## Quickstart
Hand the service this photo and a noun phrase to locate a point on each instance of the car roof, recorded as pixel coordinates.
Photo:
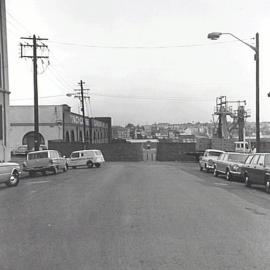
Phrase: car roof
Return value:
(237, 153)
(86, 150)
(40, 151)
(214, 150)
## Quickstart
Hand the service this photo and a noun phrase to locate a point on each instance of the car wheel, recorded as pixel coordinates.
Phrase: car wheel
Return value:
(65, 168)
(14, 180)
(201, 168)
(228, 175)
(55, 170)
(215, 172)
(89, 164)
(97, 165)
(247, 181)
(267, 186)
(206, 169)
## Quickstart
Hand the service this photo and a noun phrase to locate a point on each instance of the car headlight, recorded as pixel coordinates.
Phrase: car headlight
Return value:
(235, 167)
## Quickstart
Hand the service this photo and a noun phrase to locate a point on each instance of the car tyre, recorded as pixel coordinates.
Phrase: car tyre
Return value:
(201, 168)
(247, 181)
(206, 169)
(65, 168)
(13, 180)
(228, 175)
(89, 164)
(55, 170)
(97, 165)
(267, 186)
(215, 172)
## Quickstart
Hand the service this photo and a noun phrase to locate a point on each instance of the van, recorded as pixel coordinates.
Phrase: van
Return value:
(87, 158)
(43, 161)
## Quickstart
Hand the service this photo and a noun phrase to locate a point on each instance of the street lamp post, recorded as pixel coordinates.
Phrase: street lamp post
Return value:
(215, 36)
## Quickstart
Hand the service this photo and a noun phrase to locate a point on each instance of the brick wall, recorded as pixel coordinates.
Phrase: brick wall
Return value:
(175, 151)
(111, 152)
(223, 144)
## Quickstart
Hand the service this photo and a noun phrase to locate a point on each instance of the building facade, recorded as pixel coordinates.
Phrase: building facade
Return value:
(56, 122)
(4, 88)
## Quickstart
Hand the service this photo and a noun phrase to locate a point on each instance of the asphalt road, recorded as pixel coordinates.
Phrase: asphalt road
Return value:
(126, 216)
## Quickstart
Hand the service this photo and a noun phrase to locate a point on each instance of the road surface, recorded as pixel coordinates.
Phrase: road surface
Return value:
(127, 216)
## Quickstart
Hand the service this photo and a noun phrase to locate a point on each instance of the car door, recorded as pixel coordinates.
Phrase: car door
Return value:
(74, 157)
(223, 163)
(4, 172)
(260, 170)
(252, 170)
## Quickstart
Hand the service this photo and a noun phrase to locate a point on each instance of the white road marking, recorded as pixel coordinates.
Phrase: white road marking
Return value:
(38, 182)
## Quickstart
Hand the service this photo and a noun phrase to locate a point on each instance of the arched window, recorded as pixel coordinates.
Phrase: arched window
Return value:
(67, 136)
(28, 139)
(72, 136)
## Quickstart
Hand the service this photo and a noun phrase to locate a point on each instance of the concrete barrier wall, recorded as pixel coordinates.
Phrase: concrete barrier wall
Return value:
(175, 151)
(111, 152)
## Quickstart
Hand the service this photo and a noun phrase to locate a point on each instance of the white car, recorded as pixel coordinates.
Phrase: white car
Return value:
(207, 161)
(87, 158)
(10, 173)
(43, 161)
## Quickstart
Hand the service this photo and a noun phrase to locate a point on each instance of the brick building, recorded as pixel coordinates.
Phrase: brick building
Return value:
(56, 122)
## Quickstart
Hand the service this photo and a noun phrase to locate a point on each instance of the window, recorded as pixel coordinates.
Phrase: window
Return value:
(255, 159)
(74, 155)
(248, 160)
(215, 154)
(261, 160)
(237, 157)
(267, 160)
(38, 155)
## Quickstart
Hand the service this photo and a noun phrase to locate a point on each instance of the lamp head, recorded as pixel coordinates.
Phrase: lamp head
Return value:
(214, 35)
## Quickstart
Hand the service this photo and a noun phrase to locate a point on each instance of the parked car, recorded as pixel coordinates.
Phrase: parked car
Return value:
(22, 150)
(256, 170)
(10, 173)
(87, 158)
(230, 165)
(207, 161)
(43, 161)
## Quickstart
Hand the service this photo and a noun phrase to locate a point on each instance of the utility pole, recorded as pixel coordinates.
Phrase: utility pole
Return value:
(258, 139)
(34, 57)
(82, 94)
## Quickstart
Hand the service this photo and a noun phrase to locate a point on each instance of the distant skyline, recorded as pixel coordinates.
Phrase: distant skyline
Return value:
(144, 61)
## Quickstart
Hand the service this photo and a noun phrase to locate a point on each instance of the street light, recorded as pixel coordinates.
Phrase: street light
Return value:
(215, 36)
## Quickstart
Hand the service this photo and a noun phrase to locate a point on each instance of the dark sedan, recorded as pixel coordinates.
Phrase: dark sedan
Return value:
(256, 170)
(230, 164)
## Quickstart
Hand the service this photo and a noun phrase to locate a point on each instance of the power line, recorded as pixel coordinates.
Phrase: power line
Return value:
(140, 47)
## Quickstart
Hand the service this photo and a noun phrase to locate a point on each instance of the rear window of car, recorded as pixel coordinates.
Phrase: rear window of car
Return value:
(237, 157)
(38, 155)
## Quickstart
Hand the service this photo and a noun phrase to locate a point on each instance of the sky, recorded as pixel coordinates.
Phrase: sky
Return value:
(144, 61)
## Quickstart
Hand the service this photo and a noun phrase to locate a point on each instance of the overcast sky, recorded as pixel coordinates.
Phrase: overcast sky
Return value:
(145, 61)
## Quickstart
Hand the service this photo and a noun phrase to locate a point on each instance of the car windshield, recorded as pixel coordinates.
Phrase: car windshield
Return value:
(74, 155)
(214, 153)
(237, 158)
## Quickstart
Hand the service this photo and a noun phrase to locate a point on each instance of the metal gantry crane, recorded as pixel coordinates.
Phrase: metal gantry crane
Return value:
(222, 110)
